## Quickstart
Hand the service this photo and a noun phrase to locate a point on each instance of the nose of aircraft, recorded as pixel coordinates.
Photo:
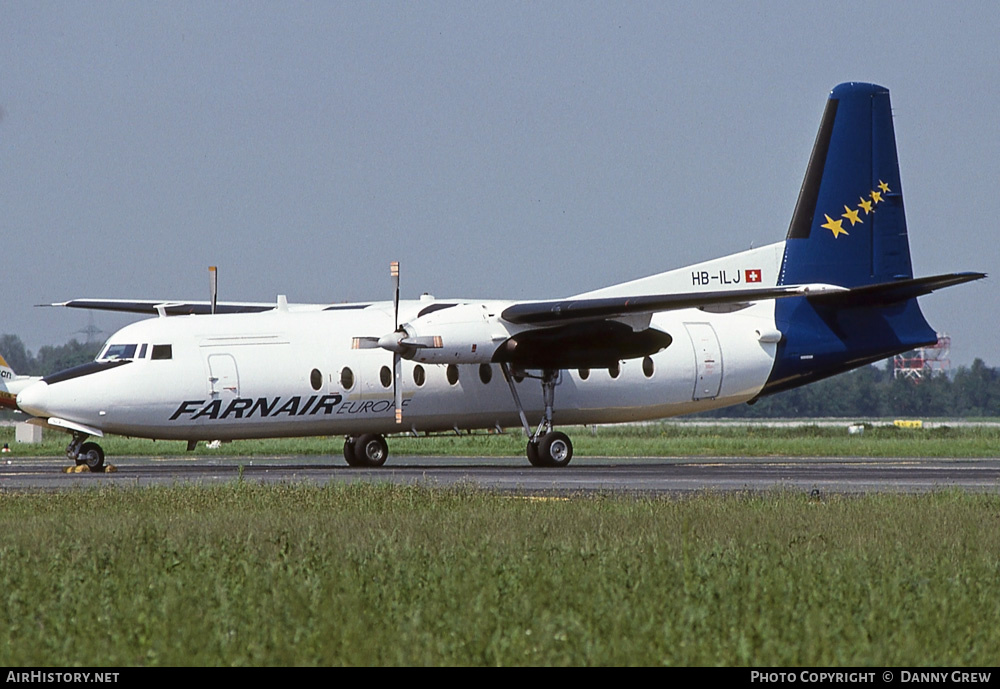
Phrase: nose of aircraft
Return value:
(31, 400)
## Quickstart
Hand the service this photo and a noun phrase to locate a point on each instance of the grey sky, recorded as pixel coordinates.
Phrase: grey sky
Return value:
(521, 150)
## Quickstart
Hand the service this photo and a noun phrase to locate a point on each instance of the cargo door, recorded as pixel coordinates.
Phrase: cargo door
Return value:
(708, 360)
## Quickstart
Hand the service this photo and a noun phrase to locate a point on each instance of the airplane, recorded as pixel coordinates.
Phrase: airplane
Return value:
(836, 294)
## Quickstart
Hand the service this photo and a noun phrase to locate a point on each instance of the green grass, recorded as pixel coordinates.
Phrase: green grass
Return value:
(652, 440)
(394, 575)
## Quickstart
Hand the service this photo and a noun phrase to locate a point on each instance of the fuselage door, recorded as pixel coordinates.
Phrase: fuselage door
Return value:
(708, 360)
(223, 378)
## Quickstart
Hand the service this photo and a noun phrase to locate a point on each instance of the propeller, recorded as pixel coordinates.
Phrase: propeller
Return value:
(394, 342)
(397, 356)
(399, 342)
(213, 276)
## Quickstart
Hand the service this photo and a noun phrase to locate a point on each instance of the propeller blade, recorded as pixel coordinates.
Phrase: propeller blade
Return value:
(394, 272)
(365, 343)
(213, 277)
(397, 386)
(423, 342)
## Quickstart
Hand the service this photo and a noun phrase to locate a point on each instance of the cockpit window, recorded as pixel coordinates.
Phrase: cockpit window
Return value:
(162, 352)
(118, 351)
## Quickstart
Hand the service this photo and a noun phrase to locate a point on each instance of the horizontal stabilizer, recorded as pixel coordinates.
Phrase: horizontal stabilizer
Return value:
(887, 293)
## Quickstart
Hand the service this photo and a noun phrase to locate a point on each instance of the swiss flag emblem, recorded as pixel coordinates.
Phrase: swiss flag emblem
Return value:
(752, 275)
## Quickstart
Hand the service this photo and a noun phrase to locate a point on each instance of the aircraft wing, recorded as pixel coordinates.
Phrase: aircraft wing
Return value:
(560, 311)
(544, 313)
(171, 308)
(568, 333)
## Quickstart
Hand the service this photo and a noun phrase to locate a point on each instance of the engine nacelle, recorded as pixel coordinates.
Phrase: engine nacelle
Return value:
(455, 334)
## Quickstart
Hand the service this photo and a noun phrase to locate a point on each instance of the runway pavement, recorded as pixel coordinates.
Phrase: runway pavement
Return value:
(852, 475)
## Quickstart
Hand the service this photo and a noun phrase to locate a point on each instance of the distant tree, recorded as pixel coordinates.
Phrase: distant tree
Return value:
(73, 353)
(872, 392)
(49, 359)
(978, 390)
(15, 354)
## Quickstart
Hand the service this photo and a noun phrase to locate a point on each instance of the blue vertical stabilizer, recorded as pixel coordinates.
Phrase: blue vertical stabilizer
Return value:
(849, 229)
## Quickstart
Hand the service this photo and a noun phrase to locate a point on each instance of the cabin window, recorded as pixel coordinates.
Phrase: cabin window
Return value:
(347, 378)
(316, 379)
(584, 373)
(615, 370)
(485, 373)
(418, 375)
(452, 373)
(162, 352)
(385, 376)
(647, 367)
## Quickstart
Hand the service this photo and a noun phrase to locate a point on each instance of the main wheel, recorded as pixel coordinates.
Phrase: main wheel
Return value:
(350, 447)
(92, 455)
(371, 450)
(555, 449)
(532, 453)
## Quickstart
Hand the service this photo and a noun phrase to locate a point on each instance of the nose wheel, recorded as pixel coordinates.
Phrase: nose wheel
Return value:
(92, 455)
(89, 454)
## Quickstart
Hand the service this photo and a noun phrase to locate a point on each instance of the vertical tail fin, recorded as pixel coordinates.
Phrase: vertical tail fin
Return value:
(11, 384)
(849, 227)
(6, 372)
(7, 397)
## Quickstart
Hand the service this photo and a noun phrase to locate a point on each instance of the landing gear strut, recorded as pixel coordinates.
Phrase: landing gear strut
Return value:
(368, 450)
(90, 454)
(546, 447)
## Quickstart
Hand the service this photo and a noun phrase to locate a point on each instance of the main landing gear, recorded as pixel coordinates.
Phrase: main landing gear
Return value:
(89, 454)
(546, 447)
(368, 450)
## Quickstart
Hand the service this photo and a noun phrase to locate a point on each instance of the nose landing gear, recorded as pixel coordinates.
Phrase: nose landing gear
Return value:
(89, 454)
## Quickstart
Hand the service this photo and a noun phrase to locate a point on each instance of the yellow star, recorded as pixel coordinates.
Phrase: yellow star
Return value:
(867, 205)
(852, 215)
(876, 196)
(834, 226)
(883, 186)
